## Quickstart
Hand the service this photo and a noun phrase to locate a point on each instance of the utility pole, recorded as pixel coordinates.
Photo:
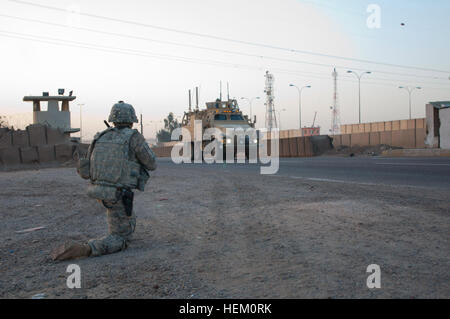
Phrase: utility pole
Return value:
(335, 118)
(271, 118)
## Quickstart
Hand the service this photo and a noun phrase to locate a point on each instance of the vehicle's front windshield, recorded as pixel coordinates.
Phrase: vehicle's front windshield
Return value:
(220, 117)
(236, 117)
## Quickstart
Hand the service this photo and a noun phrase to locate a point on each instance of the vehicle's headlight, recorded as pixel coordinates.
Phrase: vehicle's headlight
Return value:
(228, 140)
(255, 141)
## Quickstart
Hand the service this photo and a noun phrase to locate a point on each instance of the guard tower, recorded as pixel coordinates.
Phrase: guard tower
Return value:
(57, 114)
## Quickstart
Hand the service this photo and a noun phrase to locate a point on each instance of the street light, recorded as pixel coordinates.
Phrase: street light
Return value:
(359, 76)
(250, 103)
(300, 102)
(410, 90)
(279, 117)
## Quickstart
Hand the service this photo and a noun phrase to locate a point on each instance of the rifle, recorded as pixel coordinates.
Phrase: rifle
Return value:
(106, 123)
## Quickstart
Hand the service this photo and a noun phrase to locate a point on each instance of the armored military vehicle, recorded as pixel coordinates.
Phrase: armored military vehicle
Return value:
(222, 115)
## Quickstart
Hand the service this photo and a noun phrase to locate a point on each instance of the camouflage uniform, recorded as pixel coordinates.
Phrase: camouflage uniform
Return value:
(110, 175)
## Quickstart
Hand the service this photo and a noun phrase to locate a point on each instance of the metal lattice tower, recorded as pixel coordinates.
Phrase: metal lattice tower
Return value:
(271, 118)
(335, 117)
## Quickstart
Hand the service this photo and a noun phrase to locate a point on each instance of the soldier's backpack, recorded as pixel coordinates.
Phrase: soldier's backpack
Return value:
(110, 163)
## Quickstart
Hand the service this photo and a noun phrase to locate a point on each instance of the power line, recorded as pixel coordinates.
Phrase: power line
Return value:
(228, 39)
(213, 49)
(70, 43)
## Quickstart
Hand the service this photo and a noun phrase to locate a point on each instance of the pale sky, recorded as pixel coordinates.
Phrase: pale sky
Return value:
(68, 51)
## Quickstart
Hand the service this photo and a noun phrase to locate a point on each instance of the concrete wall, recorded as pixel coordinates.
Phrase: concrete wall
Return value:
(444, 130)
(407, 138)
(35, 144)
(382, 126)
(288, 147)
(162, 151)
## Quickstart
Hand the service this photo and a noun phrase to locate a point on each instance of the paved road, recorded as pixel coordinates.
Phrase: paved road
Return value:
(417, 172)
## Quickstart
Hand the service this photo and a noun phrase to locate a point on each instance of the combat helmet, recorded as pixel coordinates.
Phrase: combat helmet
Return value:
(122, 112)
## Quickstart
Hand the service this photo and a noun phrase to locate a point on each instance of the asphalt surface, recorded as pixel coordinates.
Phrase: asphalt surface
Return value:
(431, 172)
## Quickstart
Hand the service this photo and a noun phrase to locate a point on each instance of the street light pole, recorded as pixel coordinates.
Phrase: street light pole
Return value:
(359, 76)
(410, 90)
(300, 102)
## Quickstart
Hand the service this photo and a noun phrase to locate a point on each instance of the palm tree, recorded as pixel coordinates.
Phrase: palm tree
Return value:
(170, 124)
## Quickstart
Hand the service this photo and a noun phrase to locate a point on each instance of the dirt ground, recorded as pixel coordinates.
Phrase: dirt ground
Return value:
(220, 233)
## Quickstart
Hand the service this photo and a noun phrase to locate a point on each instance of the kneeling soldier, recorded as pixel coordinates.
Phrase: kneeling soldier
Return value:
(118, 161)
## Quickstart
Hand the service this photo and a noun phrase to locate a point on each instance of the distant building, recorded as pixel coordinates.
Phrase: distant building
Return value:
(57, 114)
(310, 131)
(438, 125)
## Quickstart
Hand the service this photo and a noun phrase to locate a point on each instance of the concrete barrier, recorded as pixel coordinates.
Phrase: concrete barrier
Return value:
(404, 138)
(37, 135)
(20, 139)
(55, 136)
(395, 125)
(346, 139)
(420, 123)
(308, 147)
(361, 139)
(29, 155)
(386, 138)
(301, 146)
(284, 147)
(10, 156)
(411, 124)
(64, 152)
(403, 124)
(388, 126)
(3, 130)
(46, 153)
(374, 138)
(381, 127)
(162, 151)
(293, 147)
(421, 135)
(295, 133)
(6, 140)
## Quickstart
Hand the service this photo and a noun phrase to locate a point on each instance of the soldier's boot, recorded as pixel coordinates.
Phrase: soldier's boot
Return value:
(69, 251)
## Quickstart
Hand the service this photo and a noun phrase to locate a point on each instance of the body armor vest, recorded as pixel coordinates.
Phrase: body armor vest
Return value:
(110, 163)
